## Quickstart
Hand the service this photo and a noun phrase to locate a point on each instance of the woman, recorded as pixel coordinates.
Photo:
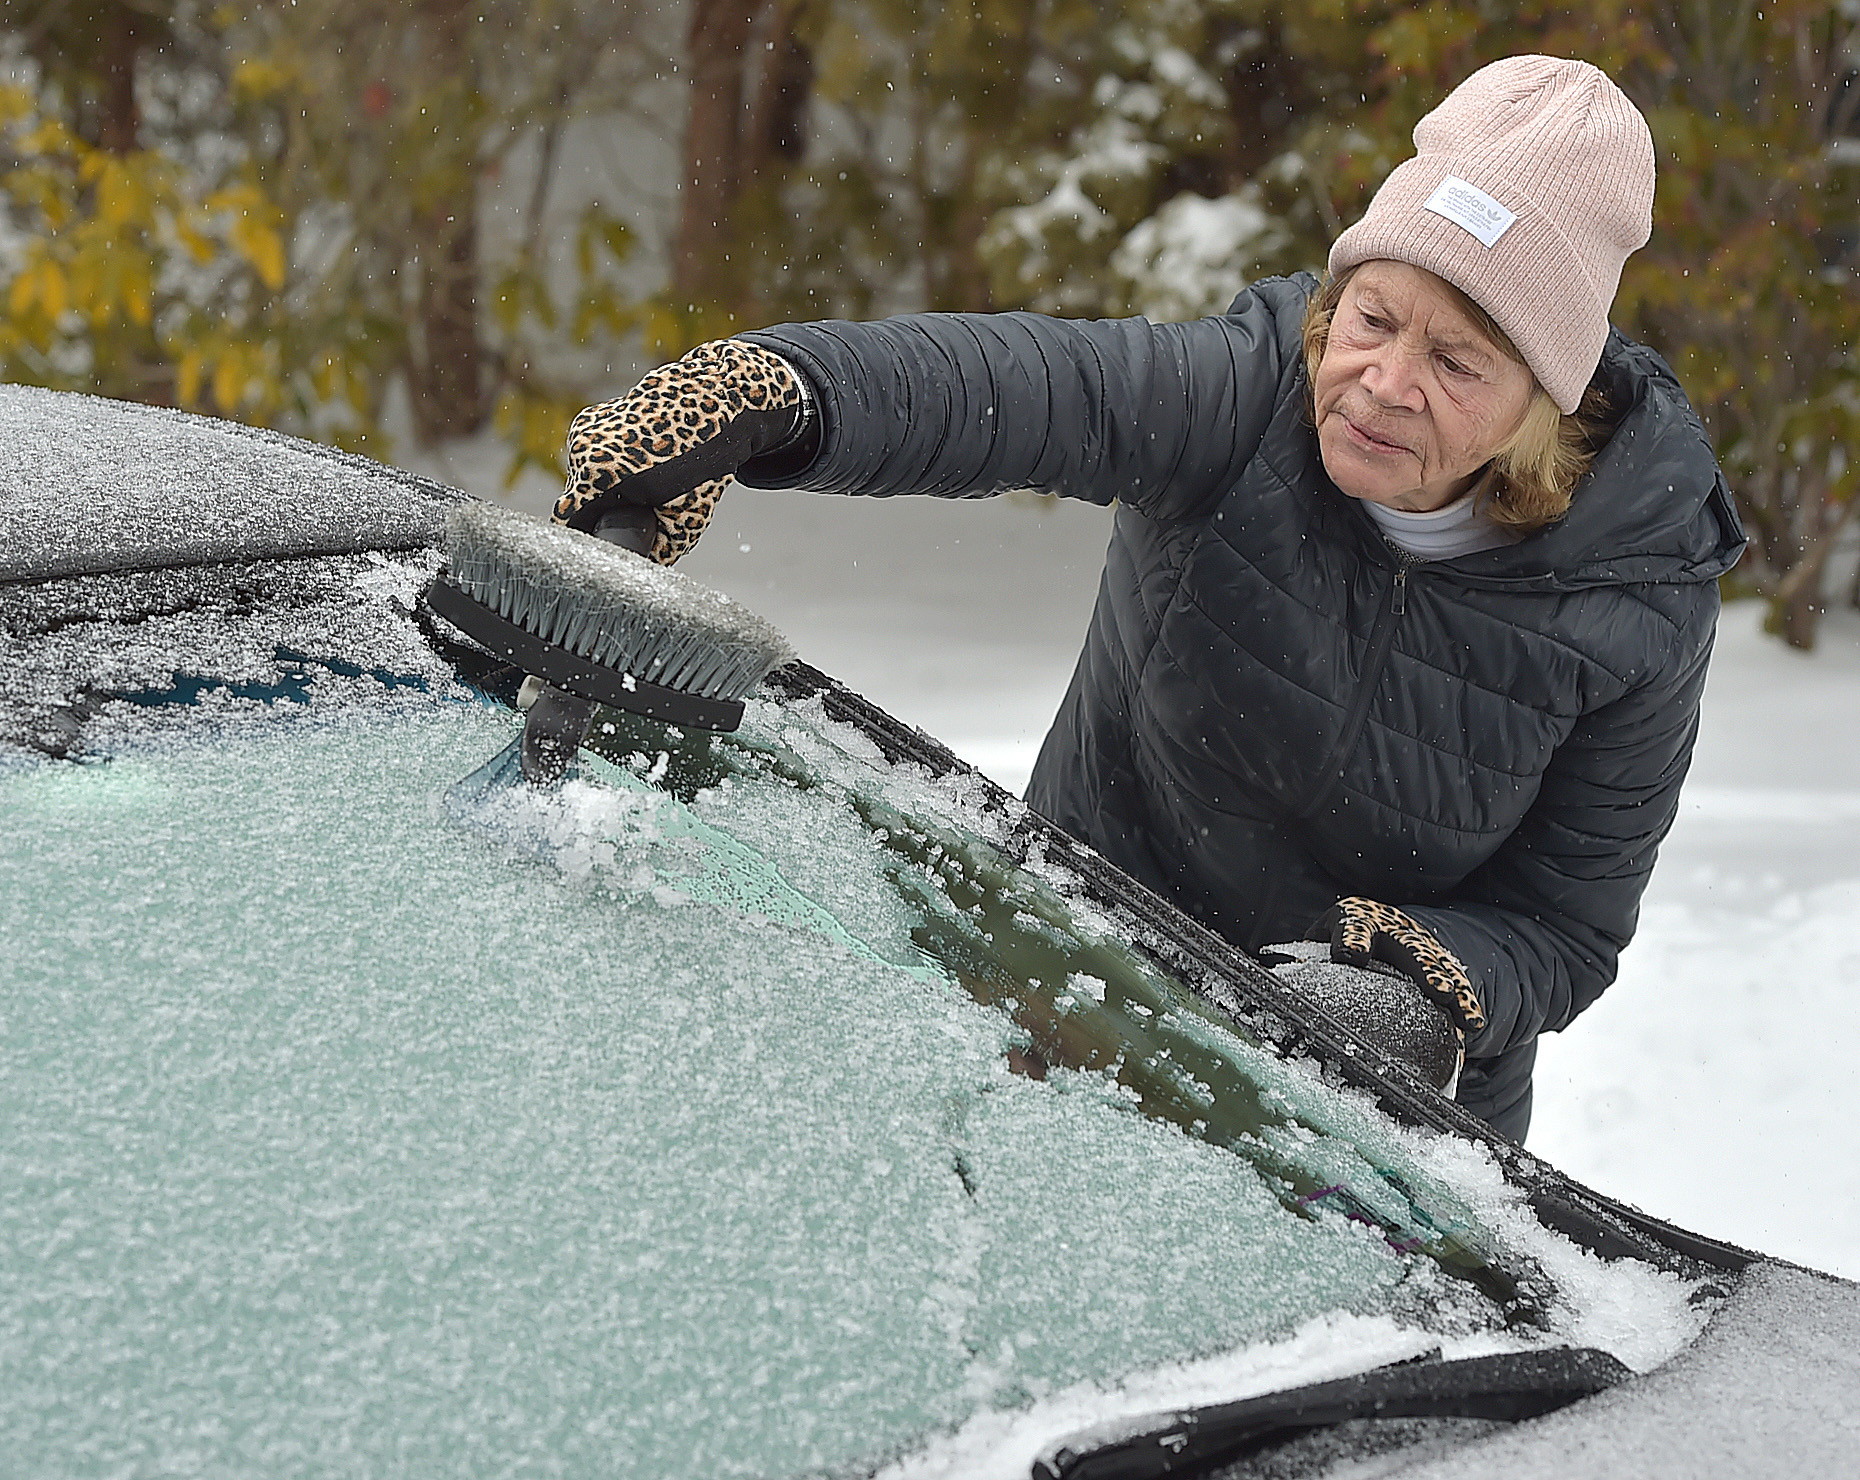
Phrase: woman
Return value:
(1406, 613)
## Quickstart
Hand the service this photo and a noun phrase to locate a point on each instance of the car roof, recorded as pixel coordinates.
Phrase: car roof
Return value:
(89, 485)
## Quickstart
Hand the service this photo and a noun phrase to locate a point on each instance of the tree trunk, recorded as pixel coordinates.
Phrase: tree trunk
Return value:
(1795, 613)
(777, 129)
(713, 138)
(1266, 91)
(1796, 604)
(91, 47)
(447, 374)
(118, 119)
(446, 380)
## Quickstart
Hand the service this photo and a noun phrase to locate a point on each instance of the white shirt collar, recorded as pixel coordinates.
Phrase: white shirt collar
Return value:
(1459, 528)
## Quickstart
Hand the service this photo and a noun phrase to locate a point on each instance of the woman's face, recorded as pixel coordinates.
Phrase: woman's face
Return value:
(1412, 398)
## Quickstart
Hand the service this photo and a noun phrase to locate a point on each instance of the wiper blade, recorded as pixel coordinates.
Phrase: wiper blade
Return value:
(1507, 1387)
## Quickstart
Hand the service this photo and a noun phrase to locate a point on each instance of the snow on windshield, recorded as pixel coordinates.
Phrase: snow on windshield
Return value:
(655, 1126)
(260, 639)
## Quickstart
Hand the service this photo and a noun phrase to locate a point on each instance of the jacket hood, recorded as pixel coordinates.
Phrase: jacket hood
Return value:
(1654, 506)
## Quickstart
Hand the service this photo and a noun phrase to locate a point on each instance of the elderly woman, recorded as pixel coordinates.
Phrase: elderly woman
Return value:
(1406, 613)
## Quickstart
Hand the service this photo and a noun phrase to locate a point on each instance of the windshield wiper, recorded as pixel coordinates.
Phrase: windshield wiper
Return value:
(1504, 1388)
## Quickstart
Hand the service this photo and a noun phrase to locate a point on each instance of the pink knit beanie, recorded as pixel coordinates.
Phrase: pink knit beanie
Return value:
(1530, 185)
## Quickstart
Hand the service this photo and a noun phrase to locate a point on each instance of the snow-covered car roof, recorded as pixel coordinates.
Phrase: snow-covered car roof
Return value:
(93, 486)
(790, 1103)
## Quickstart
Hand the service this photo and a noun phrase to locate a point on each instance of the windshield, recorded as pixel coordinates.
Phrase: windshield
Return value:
(751, 1105)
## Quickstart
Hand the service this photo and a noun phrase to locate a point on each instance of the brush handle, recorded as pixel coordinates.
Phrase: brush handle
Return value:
(555, 725)
(633, 527)
(553, 729)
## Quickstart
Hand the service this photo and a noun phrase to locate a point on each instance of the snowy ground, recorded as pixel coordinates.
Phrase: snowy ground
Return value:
(1712, 1086)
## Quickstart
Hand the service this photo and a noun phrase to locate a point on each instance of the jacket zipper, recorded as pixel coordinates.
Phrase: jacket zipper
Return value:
(1381, 638)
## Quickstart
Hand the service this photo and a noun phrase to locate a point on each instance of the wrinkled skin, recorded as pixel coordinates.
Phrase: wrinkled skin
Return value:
(1412, 398)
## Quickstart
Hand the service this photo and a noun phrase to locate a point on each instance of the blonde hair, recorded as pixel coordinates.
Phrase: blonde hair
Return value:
(1539, 466)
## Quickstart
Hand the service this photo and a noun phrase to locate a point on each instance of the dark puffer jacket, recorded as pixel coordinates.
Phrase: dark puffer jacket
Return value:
(1275, 708)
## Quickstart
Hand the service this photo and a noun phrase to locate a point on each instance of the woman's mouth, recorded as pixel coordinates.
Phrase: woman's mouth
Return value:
(1361, 436)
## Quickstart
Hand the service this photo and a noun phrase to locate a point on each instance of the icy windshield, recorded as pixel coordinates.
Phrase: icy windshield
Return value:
(745, 1107)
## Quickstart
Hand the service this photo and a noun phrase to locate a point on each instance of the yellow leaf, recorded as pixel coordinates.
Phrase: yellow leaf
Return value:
(187, 377)
(229, 382)
(138, 296)
(254, 78)
(268, 258)
(199, 246)
(49, 137)
(87, 285)
(239, 198)
(53, 296)
(117, 195)
(263, 247)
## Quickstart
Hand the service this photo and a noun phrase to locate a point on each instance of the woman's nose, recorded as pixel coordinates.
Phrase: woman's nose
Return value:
(1393, 379)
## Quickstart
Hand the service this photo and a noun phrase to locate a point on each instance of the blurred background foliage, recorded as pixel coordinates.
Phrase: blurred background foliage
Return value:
(349, 220)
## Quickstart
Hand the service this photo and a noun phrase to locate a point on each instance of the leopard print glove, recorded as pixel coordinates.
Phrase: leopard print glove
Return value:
(674, 442)
(1364, 930)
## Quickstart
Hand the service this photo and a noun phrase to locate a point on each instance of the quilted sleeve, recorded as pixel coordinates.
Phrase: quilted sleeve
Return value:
(1159, 416)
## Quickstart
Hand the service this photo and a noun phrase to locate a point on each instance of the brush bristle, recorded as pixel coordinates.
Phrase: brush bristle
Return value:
(608, 605)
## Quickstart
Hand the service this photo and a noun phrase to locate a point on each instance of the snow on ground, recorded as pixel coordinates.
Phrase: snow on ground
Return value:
(1713, 1085)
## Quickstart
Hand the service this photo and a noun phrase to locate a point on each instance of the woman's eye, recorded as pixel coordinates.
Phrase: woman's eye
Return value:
(1454, 367)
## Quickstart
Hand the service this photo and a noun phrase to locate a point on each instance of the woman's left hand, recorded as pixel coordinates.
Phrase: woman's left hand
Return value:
(1363, 930)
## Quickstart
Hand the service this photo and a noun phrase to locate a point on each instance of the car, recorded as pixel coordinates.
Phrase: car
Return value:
(787, 1102)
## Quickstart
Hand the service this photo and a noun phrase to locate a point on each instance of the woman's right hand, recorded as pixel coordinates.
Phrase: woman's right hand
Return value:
(674, 442)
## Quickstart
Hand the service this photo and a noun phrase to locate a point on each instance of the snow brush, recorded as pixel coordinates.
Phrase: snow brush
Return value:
(597, 623)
